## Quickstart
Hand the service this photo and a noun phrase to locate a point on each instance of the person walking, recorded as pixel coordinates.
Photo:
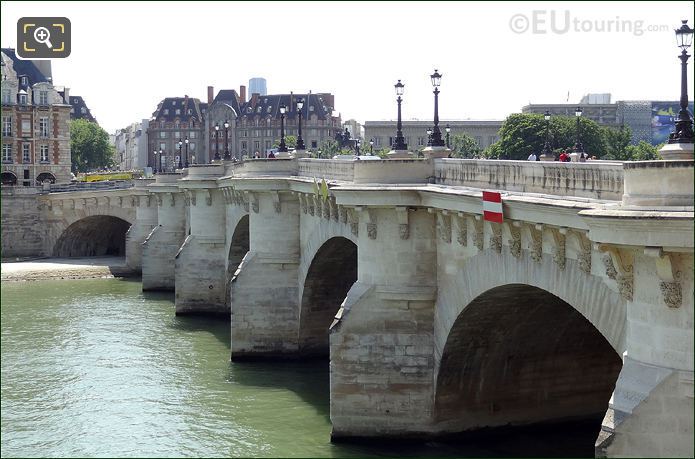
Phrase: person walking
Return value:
(532, 157)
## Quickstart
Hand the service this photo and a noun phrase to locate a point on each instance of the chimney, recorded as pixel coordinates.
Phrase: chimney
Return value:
(242, 94)
(211, 92)
(254, 99)
(66, 95)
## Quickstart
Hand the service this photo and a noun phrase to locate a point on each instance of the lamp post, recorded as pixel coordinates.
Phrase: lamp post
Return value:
(684, 124)
(399, 143)
(358, 142)
(371, 147)
(448, 130)
(300, 141)
(283, 147)
(226, 138)
(436, 139)
(547, 154)
(186, 142)
(578, 147)
(429, 136)
(217, 143)
(164, 167)
(180, 146)
(154, 153)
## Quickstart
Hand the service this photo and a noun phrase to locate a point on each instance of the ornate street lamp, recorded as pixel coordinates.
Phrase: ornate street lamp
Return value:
(448, 130)
(217, 143)
(180, 155)
(226, 137)
(429, 136)
(547, 154)
(578, 147)
(358, 142)
(154, 153)
(684, 124)
(399, 143)
(186, 142)
(300, 141)
(371, 146)
(283, 147)
(436, 138)
(161, 155)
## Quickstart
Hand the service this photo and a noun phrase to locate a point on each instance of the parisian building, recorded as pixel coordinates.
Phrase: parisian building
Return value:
(132, 150)
(35, 124)
(253, 124)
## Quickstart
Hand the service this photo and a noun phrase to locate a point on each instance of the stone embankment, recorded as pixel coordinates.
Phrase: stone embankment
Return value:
(63, 268)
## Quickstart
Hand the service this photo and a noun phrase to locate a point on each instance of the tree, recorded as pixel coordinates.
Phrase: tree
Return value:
(616, 142)
(524, 133)
(464, 146)
(643, 151)
(290, 142)
(89, 146)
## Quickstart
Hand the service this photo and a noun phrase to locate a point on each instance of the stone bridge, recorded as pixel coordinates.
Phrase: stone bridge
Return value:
(579, 305)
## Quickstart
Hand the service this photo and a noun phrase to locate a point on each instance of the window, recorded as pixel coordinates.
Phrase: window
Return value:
(23, 99)
(243, 144)
(268, 132)
(243, 134)
(7, 125)
(267, 144)
(26, 128)
(390, 140)
(26, 153)
(190, 112)
(191, 146)
(192, 135)
(6, 153)
(269, 108)
(313, 144)
(162, 146)
(377, 141)
(173, 102)
(6, 96)
(43, 126)
(162, 135)
(25, 81)
(166, 111)
(420, 141)
(44, 153)
(83, 110)
(177, 135)
(43, 97)
(178, 111)
(257, 145)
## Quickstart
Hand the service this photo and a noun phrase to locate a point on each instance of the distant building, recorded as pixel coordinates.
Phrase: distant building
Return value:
(383, 133)
(35, 124)
(131, 146)
(79, 109)
(650, 121)
(258, 85)
(355, 129)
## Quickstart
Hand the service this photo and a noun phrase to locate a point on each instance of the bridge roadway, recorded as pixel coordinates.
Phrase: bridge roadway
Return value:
(579, 305)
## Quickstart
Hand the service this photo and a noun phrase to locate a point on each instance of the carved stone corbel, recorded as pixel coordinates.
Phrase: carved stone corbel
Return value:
(515, 241)
(622, 269)
(342, 214)
(252, 200)
(478, 231)
(334, 209)
(354, 222)
(302, 202)
(496, 237)
(275, 196)
(310, 204)
(325, 203)
(159, 199)
(403, 225)
(371, 223)
(84, 203)
(585, 252)
(536, 242)
(444, 226)
(208, 197)
(670, 277)
(560, 249)
(172, 196)
(461, 229)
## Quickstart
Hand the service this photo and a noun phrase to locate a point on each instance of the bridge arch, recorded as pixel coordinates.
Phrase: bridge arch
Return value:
(95, 235)
(238, 246)
(518, 342)
(330, 275)
(8, 178)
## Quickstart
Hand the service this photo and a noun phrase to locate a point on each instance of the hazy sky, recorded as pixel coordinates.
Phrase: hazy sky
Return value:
(494, 57)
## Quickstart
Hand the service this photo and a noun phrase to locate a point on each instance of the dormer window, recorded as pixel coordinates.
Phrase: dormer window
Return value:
(178, 111)
(43, 97)
(83, 110)
(258, 110)
(23, 99)
(25, 81)
(311, 108)
(249, 110)
(190, 112)
(173, 102)
(269, 108)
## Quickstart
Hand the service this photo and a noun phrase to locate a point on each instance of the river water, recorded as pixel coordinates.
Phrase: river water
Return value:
(95, 367)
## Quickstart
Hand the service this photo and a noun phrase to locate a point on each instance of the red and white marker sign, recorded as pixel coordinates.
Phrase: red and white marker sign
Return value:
(492, 206)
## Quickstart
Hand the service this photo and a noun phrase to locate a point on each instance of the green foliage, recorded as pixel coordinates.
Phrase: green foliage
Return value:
(90, 147)
(643, 151)
(290, 142)
(616, 142)
(329, 148)
(524, 133)
(464, 146)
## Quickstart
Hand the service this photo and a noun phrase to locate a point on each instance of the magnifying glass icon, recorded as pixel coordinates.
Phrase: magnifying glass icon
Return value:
(42, 35)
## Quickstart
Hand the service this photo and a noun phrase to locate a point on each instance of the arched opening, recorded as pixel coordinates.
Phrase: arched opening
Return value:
(330, 276)
(45, 177)
(239, 245)
(99, 235)
(8, 178)
(519, 355)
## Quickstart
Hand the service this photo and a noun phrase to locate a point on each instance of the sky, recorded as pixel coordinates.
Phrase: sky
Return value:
(494, 57)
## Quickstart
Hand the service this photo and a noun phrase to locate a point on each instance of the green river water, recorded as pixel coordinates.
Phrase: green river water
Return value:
(98, 368)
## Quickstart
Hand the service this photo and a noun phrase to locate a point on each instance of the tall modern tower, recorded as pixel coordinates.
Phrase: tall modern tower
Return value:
(258, 85)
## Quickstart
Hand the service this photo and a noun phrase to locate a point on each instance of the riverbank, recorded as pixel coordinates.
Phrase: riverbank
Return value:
(64, 268)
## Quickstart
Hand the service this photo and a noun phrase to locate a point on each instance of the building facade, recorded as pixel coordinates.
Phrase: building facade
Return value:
(253, 125)
(258, 85)
(383, 133)
(176, 119)
(131, 146)
(35, 125)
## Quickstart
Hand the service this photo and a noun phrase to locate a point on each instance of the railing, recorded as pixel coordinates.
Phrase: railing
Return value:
(89, 186)
(593, 179)
(330, 169)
